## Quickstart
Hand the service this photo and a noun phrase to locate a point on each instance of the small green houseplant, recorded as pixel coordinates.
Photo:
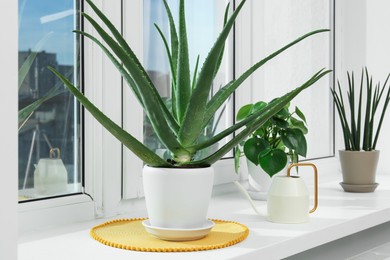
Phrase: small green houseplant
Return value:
(360, 131)
(179, 127)
(278, 141)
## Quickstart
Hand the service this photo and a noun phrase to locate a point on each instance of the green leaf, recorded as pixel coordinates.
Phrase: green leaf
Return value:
(294, 139)
(279, 122)
(25, 68)
(244, 112)
(273, 162)
(258, 106)
(195, 73)
(253, 147)
(153, 104)
(225, 19)
(171, 62)
(237, 155)
(174, 38)
(295, 123)
(193, 120)
(183, 78)
(128, 140)
(25, 113)
(300, 114)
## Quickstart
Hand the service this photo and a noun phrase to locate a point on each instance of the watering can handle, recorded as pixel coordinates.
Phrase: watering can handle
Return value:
(315, 181)
(53, 151)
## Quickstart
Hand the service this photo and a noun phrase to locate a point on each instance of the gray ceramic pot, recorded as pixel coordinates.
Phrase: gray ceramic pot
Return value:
(359, 170)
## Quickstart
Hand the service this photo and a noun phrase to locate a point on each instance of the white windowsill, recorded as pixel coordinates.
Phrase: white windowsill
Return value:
(339, 215)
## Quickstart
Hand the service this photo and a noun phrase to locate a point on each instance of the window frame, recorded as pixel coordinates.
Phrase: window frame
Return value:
(112, 174)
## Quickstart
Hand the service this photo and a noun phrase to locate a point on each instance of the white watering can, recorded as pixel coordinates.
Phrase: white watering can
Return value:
(288, 197)
(50, 175)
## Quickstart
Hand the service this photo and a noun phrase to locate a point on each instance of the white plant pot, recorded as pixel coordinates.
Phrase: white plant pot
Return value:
(177, 198)
(259, 181)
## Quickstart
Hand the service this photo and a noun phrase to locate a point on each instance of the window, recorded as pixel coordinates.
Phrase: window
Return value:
(112, 173)
(49, 137)
(272, 24)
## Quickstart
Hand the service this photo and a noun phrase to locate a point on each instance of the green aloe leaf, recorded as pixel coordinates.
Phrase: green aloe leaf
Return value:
(183, 76)
(25, 113)
(171, 62)
(153, 104)
(237, 156)
(225, 19)
(128, 140)
(174, 39)
(273, 162)
(25, 68)
(193, 120)
(253, 147)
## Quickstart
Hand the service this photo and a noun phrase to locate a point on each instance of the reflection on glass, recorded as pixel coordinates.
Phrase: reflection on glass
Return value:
(204, 22)
(48, 133)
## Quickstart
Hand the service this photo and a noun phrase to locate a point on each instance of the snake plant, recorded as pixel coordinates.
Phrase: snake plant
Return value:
(179, 126)
(354, 138)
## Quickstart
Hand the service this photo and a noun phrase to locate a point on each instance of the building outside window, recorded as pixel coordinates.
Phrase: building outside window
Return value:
(46, 39)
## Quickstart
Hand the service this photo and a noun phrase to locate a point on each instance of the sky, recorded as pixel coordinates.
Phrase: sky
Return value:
(38, 18)
(53, 21)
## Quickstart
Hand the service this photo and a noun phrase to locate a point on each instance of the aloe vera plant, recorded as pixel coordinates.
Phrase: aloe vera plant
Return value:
(179, 126)
(354, 138)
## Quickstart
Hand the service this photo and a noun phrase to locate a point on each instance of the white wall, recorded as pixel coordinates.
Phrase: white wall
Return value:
(378, 62)
(8, 132)
(363, 38)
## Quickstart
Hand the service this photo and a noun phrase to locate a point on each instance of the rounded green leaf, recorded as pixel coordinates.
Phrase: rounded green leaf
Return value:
(295, 140)
(273, 162)
(295, 123)
(244, 112)
(258, 106)
(253, 147)
(279, 122)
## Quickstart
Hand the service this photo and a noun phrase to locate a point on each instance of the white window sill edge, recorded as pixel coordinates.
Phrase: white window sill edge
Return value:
(339, 214)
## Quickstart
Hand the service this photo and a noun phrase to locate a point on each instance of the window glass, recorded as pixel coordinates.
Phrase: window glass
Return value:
(204, 22)
(48, 136)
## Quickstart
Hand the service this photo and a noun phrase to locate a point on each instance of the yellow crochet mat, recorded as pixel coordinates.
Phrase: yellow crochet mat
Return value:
(131, 235)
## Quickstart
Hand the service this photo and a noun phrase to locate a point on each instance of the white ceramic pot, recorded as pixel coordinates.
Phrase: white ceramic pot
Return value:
(177, 198)
(259, 181)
